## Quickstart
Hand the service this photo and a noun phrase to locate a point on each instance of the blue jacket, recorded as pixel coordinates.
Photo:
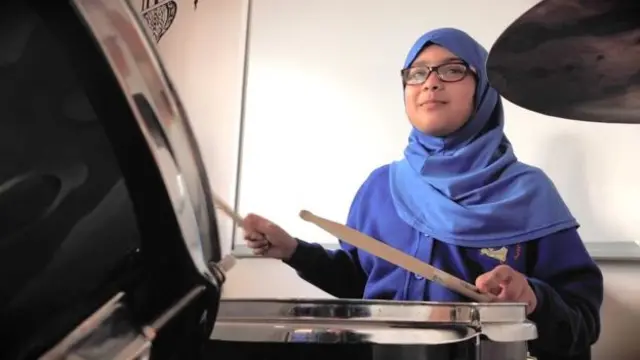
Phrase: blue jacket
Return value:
(567, 282)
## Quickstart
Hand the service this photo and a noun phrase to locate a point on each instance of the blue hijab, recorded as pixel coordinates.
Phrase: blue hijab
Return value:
(468, 188)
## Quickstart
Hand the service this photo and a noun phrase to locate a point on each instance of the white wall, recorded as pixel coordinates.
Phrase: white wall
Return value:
(206, 67)
(323, 108)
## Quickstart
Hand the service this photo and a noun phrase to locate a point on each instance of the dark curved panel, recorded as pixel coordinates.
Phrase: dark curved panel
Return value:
(84, 212)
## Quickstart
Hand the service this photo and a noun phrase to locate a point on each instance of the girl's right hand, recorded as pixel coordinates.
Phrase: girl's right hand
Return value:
(268, 239)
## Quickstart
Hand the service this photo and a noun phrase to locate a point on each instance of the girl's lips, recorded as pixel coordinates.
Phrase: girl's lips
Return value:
(433, 104)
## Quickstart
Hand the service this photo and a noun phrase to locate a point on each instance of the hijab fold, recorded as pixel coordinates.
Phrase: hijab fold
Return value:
(468, 188)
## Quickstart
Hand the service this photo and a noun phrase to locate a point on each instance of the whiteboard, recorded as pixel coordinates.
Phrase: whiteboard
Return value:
(323, 108)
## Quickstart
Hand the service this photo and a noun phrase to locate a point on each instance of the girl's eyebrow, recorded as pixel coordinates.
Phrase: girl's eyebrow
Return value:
(444, 61)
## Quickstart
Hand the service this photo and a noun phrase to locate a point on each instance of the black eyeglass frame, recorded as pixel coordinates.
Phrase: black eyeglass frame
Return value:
(435, 69)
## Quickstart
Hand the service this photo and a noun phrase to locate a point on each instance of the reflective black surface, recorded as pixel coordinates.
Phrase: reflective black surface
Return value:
(574, 59)
(83, 210)
(464, 350)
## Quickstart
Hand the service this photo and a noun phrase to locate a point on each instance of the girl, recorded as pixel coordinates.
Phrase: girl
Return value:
(461, 201)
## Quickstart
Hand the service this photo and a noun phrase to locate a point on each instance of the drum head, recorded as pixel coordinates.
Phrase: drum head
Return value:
(102, 190)
(572, 59)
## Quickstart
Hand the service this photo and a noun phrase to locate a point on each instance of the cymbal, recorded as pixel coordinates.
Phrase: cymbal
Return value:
(574, 59)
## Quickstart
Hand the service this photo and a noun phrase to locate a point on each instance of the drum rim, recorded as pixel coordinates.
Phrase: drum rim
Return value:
(371, 311)
(172, 134)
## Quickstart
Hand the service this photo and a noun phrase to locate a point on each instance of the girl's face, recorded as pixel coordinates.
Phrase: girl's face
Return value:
(439, 93)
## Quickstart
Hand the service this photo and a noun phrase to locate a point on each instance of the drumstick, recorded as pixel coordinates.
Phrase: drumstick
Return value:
(395, 256)
(228, 210)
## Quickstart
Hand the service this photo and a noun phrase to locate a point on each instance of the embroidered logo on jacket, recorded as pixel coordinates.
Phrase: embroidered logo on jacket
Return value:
(497, 254)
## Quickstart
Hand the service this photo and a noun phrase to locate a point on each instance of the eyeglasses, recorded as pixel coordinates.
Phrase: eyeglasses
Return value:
(451, 72)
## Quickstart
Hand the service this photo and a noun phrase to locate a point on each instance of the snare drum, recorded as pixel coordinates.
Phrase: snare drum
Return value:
(368, 329)
(108, 240)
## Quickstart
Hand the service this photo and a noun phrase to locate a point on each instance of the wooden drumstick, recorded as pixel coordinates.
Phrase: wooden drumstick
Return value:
(228, 210)
(395, 256)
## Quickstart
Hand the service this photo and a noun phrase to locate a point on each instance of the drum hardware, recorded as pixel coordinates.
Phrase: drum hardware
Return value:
(494, 331)
(529, 66)
(222, 267)
(110, 333)
(157, 114)
(135, 228)
(227, 263)
(396, 257)
(474, 316)
(95, 337)
(480, 317)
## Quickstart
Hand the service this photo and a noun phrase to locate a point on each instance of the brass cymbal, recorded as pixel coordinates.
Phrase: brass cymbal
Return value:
(574, 59)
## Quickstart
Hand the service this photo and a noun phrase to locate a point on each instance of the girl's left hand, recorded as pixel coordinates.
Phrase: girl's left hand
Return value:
(508, 285)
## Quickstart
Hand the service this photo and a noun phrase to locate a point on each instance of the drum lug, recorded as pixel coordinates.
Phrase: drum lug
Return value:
(220, 269)
(475, 318)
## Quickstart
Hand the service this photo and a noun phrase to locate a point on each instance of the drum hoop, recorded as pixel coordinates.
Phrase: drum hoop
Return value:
(134, 62)
(371, 312)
